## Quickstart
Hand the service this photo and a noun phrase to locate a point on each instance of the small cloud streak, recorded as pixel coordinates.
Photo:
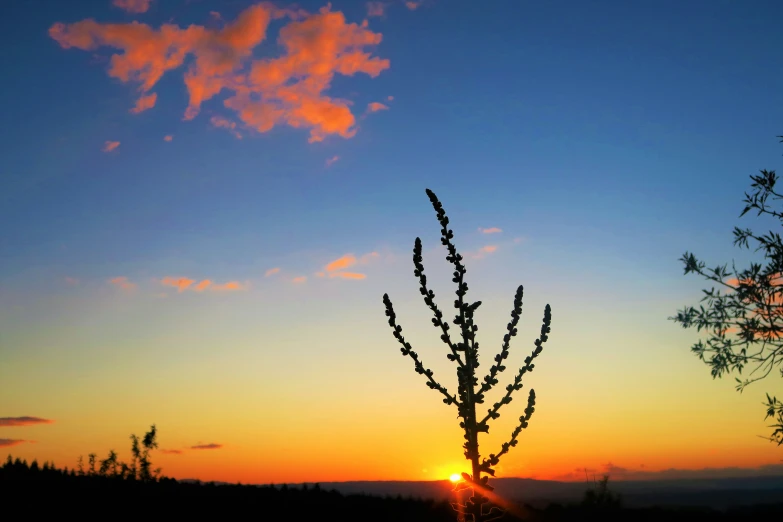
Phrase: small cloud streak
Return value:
(222, 123)
(376, 9)
(490, 230)
(71, 281)
(144, 103)
(171, 451)
(23, 421)
(110, 146)
(412, 5)
(377, 106)
(348, 275)
(340, 263)
(488, 249)
(180, 283)
(272, 271)
(133, 6)
(202, 285)
(210, 446)
(123, 283)
(168, 137)
(299, 279)
(228, 287)
(5, 443)
(331, 161)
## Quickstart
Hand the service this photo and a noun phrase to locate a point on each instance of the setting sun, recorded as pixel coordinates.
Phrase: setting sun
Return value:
(455, 477)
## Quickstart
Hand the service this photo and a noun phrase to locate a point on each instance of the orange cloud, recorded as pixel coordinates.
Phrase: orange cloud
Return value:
(23, 421)
(376, 9)
(299, 279)
(366, 258)
(202, 285)
(488, 249)
(320, 274)
(376, 106)
(168, 137)
(412, 5)
(123, 283)
(491, 230)
(265, 92)
(343, 262)
(221, 122)
(348, 275)
(133, 6)
(206, 446)
(144, 103)
(180, 283)
(171, 451)
(110, 146)
(228, 287)
(271, 271)
(332, 160)
(4, 443)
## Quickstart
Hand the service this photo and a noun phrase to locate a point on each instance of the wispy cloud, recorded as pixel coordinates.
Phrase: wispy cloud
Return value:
(110, 146)
(341, 262)
(144, 102)
(171, 451)
(376, 106)
(206, 446)
(375, 9)
(71, 281)
(124, 283)
(23, 421)
(623, 473)
(272, 271)
(168, 137)
(223, 123)
(228, 287)
(490, 230)
(413, 5)
(180, 283)
(4, 443)
(331, 161)
(299, 279)
(202, 285)
(348, 275)
(262, 92)
(133, 6)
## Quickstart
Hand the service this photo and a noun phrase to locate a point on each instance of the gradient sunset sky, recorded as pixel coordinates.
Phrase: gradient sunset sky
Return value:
(203, 202)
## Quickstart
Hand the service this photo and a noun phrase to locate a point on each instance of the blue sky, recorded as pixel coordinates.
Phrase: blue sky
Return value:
(608, 138)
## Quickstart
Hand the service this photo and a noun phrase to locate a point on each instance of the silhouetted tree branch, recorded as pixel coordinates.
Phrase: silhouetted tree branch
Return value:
(465, 354)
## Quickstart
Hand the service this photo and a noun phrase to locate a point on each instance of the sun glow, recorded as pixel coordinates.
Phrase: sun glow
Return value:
(455, 477)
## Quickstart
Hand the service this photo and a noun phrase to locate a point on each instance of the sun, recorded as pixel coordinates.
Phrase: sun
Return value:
(455, 477)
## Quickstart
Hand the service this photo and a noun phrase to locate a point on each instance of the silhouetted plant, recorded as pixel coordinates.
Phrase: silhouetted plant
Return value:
(745, 324)
(465, 354)
(601, 497)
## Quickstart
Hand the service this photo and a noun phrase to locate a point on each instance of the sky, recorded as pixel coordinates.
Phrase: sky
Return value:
(203, 203)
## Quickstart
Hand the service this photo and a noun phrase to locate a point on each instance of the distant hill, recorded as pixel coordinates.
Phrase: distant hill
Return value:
(719, 493)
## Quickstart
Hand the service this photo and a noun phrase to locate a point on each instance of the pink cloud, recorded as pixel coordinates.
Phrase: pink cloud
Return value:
(413, 5)
(262, 92)
(271, 271)
(299, 279)
(491, 230)
(123, 283)
(180, 283)
(488, 249)
(376, 106)
(71, 281)
(390, 98)
(23, 421)
(331, 161)
(375, 9)
(133, 6)
(223, 123)
(144, 102)
(168, 137)
(110, 146)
